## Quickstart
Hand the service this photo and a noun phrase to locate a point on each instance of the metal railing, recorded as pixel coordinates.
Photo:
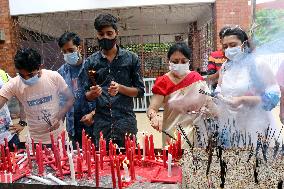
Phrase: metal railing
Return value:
(142, 104)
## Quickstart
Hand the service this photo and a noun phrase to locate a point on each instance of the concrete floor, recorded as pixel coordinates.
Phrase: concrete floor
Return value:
(144, 126)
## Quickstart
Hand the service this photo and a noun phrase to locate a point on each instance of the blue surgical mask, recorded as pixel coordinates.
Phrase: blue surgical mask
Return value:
(234, 53)
(71, 58)
(31, 81)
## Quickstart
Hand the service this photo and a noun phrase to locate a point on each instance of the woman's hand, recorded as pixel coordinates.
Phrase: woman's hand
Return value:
(238, 102)
(156, 122)
(235, 102)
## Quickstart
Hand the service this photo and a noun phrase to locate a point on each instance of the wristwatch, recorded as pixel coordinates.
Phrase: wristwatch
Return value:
(23, 123)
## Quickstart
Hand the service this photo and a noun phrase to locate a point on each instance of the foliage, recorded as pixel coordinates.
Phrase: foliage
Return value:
(270, 25)
(149, 47)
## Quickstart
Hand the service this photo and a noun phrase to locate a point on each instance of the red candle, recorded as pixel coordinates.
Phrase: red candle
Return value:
(58, 161)
(29, 156)
(152, 150)
(126, 145)
(3, 158)
(139, 152)
(110, 148)
(78, 149)
(128, 153)
(101, 159)
(112, 173)
(101, 144)
(9, 159)
(134, 143)
(174, 150)
(40, 146)
(39, 160)
(79, 167)
(131, 144)
(125, 141)
(89, 164)
(128, 142)
(88, 146)
(132, 164)
(52, 141)
(147, 145)
(46, 151)
(83, 138)
(97, 171)
(94, 152)
(165, 157)
(104, 142)
(114, 149)
(118, 173)
(63, 143)
(33, 147)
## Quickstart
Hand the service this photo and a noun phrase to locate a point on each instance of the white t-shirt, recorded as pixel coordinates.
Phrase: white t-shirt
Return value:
(39, 100)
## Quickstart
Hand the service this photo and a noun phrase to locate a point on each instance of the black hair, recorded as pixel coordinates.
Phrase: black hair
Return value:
(66, 37)
(237, 31)
(181, 47)
(27, 59)
(223, 30)
(105, 20)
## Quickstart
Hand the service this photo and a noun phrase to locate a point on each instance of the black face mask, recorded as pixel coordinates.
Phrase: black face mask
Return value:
(106, 44)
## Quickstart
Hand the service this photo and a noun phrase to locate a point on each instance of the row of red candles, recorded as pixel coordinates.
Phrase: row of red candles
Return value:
(89, 150)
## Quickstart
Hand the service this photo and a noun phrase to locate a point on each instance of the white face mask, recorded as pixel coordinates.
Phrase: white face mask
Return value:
(179, 69)
(234, 53)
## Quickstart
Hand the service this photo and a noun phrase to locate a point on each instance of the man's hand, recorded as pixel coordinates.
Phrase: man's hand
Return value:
(94, 92)
(113, 89)
(17, 128)
(88, 119)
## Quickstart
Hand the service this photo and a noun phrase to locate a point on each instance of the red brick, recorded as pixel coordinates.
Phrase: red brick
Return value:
(9, 46)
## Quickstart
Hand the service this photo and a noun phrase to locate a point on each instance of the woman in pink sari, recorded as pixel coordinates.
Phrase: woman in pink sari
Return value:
(178, 91)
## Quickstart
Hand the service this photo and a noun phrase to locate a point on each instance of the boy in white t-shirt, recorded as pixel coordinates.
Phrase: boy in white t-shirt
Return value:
(38, 91)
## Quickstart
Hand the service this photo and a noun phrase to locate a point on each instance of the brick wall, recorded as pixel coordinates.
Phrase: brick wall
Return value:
(8, 47)
(231, 12)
